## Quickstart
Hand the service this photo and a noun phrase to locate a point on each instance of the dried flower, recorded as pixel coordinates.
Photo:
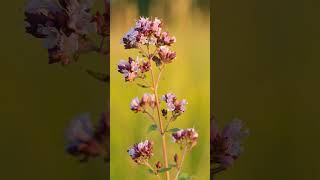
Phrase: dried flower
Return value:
(141, 152)
(177, 107)
(186, 137)
(226, 146)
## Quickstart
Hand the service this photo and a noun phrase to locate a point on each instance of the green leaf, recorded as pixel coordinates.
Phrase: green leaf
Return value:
(99, 76)
(152, 127)
(150, 171)
(174, 130)
(162, 170)
(184, 176)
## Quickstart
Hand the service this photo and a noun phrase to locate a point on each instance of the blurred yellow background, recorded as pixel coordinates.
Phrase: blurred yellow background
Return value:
(188, 77)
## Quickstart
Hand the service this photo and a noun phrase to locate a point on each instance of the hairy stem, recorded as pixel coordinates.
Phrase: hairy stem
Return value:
(181, 162)
(164, 143)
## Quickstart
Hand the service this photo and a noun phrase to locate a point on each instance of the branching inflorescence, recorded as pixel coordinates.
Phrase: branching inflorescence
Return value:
(153, 45)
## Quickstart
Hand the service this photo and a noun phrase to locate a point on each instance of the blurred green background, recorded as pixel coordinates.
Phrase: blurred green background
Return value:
(188, 77)
(38, 100)
(265, 61)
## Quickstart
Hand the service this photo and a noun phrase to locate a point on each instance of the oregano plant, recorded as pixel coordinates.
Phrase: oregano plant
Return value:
(152, 45)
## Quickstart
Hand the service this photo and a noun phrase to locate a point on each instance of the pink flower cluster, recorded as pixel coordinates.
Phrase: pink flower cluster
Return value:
(84, 140)
(141, 152)
(147, 32)
(131, 69)
(64, 25)
(166, 55)
(147, 99)
(186, 137)
(177, 107)
(226, 146)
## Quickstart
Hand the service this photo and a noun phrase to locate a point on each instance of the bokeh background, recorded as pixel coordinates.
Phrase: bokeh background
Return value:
(38, 100)
(188, 77)
(265, 71)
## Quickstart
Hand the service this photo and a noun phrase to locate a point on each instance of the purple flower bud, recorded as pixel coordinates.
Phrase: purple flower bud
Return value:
(135, 105)
(175, 158)
(166, 55)
(186, 137)
(141, 152)
(145, 67)
(158, 165)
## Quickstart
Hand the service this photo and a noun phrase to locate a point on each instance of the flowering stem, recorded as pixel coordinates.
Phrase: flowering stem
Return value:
(182, 159)
(164, 144)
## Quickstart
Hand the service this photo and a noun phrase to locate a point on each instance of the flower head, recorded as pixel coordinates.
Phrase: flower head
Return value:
(147, 100)
(177, 107)
(145, 32)
(80, 138)
(166, 55)
(141, 152)
(62, 24)
(165, 39)
(186, 137)
(135, 105)
(129, 69)
(131, 39)
(85, 140)
(226, 146)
